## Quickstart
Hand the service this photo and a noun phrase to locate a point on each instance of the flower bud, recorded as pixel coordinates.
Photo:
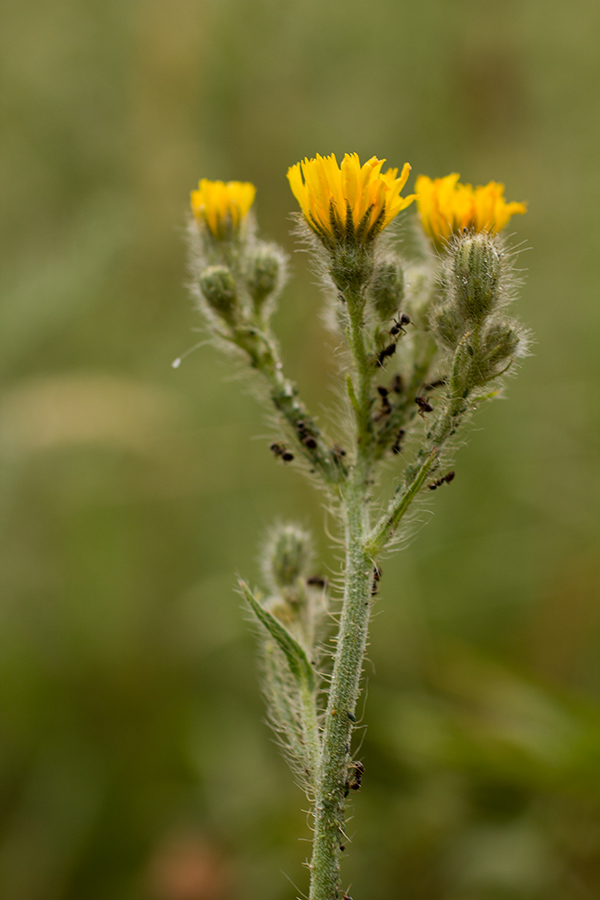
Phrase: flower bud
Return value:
(476, 269)
(420, 291)
(266, 272)
(220, 292)
(350, 268)
(387, 289)
(501, 341)
(287, 556)
(448, 324)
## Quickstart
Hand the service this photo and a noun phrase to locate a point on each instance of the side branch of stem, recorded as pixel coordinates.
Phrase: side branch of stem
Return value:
(322, 456)
(383, 532)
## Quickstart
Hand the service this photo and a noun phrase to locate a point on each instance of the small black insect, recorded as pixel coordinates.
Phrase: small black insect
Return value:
(377, 573)
(387, 351)
(399, 323)
(424, 406)
(397, 445)
(358, 770)
(281, 451)
(386, 407)
(317, 581)
(445, 479)
(306, 435)
(397, 383)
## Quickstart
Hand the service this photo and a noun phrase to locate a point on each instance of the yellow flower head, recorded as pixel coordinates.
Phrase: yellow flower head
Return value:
(223, 206)
(348, 201)
(447, 207)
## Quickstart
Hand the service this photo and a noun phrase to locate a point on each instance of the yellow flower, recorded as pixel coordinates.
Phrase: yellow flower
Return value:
(348, 201)
(223, 206)
(447, 207)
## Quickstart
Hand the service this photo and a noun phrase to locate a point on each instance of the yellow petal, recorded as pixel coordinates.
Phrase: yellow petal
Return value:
(325, 191)
(222, 206)
(447, 207)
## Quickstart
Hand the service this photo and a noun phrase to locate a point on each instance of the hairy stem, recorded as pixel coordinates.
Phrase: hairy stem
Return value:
(310, 725)
(384, 530)
(323, 457)
(335, 760)
(361, 398)
(332, 775)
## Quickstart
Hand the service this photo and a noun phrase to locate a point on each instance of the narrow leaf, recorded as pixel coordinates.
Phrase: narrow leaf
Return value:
(295, 654)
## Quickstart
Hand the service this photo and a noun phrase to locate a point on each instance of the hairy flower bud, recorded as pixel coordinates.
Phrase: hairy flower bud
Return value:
(448, 324)
(287, 557)
(476, 269)
(387, 289)
(218, 288)
(266, 273)
(501, 341)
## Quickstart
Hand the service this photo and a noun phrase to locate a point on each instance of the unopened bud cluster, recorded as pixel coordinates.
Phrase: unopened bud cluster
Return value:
(470, 319)
(265, 274)
(219, 289)
(244, 291)
(296, 594)
(290, 619)
(387, 288)
(237, 276)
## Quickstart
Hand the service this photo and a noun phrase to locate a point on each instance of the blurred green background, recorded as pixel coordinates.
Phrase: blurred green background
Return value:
(135, 762)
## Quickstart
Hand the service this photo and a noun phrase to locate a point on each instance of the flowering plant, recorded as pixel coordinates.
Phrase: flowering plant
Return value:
(426, 345)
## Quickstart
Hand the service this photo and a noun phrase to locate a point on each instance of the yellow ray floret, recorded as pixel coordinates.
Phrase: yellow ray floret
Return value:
(447, 207)
(222, 205)
(348, 201)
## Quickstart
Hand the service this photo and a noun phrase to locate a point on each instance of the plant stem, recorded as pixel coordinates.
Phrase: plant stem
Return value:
(303, 430)
(383, 532)
(351, 641)
(332, 774)
(364, 374)
(442, 429)
(310, 725)
(362, 547)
